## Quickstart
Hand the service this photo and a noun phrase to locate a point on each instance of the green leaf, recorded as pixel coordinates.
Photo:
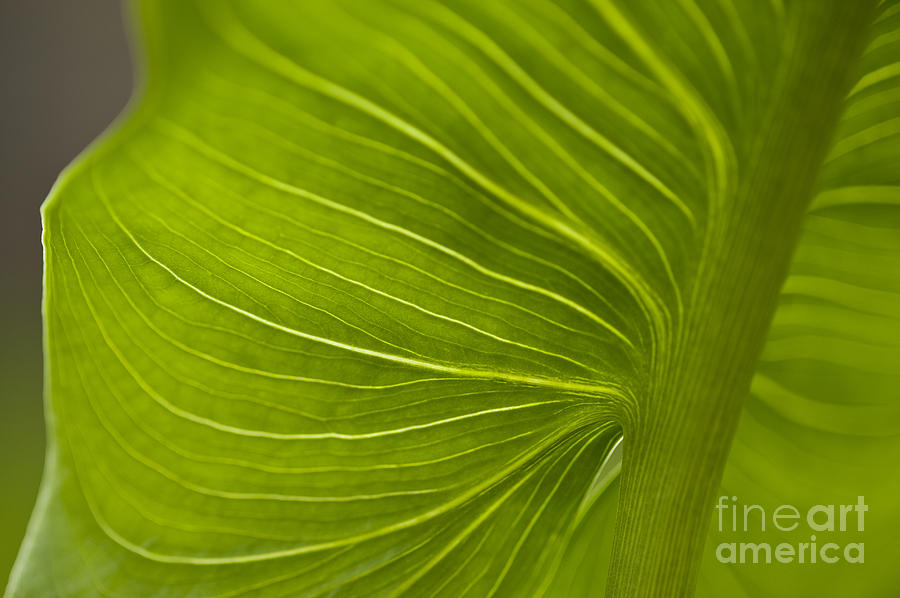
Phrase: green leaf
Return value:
(379, 298)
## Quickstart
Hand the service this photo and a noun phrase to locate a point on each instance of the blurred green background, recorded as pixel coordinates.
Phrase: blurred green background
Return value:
(66, 73)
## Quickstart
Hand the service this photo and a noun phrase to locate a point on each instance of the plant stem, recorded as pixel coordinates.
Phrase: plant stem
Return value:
(677, 443)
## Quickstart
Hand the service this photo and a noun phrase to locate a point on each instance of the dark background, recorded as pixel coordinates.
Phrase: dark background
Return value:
(66, 73)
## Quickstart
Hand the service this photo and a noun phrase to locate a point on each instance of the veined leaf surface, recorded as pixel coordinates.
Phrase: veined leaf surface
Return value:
(377, 298)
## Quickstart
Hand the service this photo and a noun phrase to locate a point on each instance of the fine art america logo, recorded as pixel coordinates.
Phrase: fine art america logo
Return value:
(752, 519)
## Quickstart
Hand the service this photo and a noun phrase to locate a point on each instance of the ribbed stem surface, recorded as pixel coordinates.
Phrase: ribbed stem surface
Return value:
(676, 447)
